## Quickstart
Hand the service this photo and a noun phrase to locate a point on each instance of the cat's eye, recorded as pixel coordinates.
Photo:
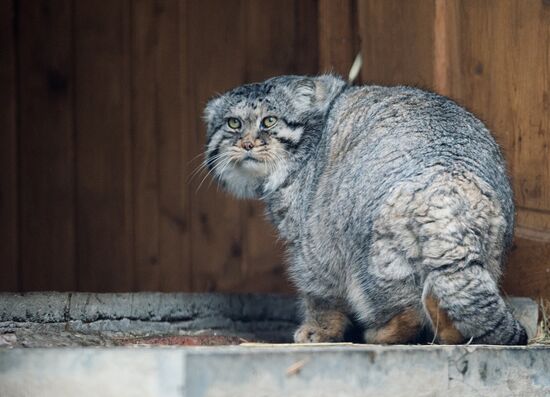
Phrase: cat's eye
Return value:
(234, 123)
(269, 121)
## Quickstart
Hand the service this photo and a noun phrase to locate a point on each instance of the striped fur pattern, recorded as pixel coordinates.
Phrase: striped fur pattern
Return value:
(394, 203)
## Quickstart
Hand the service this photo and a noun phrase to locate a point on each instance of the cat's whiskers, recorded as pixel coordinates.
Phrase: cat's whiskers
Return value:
(219, 163)
(223, 168)
(206, 176)
(205, 164)
(195, 158)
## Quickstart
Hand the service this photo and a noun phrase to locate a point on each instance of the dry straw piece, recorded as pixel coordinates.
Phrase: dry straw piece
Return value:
(543, 331)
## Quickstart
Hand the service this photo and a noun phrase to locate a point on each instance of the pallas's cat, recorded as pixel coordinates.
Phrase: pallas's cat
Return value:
(394, 204)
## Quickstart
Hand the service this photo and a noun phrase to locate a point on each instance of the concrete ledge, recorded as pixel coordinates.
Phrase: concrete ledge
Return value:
(264, 317)
(81, 319)
(145, 306)
(316, 371)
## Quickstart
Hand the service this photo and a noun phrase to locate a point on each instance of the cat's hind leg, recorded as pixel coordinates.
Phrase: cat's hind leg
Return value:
(464, 304)
(402, 328)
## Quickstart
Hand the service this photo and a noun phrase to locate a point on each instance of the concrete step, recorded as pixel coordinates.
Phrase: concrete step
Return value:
(281, 370)
(76, 320)
(82, 319)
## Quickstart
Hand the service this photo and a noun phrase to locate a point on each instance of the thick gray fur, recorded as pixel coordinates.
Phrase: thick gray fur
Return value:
(383, 195)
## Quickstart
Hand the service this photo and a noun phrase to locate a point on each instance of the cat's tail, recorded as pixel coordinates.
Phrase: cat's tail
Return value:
(464, 305)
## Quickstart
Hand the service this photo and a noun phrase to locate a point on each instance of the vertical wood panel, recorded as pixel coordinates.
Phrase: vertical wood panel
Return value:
(214, 34)
(173, 164)
(397, 41)
(504, 77)
(8, 150)
(270, 44)
(272, 48)
(161, 232)
(338, 43)
(104, 174)
(145, 144)
(528, 272)
(531, 92)
(446, 45)
(306, 48)
(46, 146)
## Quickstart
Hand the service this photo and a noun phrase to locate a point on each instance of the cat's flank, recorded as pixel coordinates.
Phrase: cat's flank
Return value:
(394, 204)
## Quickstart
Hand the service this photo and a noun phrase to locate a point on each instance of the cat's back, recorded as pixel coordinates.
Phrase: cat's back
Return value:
(386, 139)
(378, 123)
(381, 136)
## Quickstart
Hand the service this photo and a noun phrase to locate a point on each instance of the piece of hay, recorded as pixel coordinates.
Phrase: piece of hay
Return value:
(543, 331)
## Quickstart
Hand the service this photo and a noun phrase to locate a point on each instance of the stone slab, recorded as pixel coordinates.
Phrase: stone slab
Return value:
(279, 370)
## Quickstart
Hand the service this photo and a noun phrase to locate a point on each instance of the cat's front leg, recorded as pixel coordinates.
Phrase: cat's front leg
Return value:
(324, 321)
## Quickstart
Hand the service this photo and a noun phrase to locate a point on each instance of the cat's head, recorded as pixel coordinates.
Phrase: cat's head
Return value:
(258, 133)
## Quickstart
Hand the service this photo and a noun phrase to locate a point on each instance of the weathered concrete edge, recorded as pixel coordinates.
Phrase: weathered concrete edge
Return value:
(50, 307)
(283, 370)
(117, 312)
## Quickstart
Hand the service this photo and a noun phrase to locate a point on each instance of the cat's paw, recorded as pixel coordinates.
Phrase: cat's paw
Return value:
(311, 333)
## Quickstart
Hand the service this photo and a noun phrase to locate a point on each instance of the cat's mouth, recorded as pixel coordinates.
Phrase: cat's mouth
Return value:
(252, 163)
(249, 157)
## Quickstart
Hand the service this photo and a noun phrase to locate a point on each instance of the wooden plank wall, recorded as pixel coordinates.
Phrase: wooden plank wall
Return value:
(492, 57)
(9, 275)
(46, 194)
(101, 130)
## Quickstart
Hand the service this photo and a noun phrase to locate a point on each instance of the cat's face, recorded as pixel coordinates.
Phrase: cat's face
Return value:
(255, 131)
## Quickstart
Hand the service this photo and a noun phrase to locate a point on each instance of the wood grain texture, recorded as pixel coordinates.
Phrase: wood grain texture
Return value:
(161, 235)
(174, 221)
(275, 45)
(504, 78)
(145, 151)
(270, 41)
(528, 272)
(215, 53)
(338, 39)
(397, 42)
(306, 47)
(104, 173)
(445, 42)
(9, 277)
(46, 146)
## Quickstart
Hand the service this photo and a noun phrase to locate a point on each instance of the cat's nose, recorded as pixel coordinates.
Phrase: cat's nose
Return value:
(247, 145)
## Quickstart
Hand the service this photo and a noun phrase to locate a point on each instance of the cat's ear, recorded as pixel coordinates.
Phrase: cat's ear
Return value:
(316, 93)
(327, 86)
(213, 108)
(303, 94)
